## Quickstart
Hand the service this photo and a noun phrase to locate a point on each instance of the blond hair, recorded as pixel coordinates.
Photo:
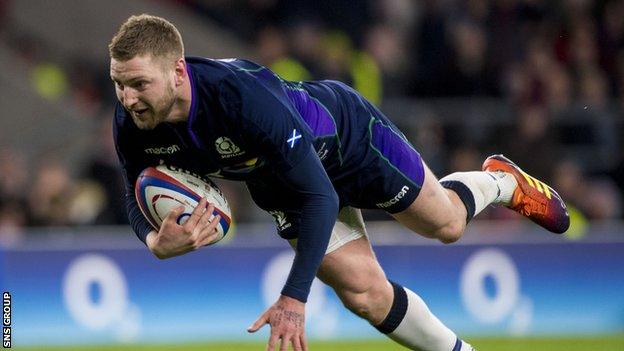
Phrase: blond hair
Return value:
(146, 34)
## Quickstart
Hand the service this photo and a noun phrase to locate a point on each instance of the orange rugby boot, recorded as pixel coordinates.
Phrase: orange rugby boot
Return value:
(532, 198)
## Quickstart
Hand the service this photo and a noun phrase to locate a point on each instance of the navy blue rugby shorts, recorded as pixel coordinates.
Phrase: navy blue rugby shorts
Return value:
(390, 172)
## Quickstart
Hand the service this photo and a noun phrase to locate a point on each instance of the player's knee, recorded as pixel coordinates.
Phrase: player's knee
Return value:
(360, 304)
(368, 304)
(355, 304)
(451, 232)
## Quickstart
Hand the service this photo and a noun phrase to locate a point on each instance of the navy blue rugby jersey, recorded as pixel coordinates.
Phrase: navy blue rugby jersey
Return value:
(298, 145)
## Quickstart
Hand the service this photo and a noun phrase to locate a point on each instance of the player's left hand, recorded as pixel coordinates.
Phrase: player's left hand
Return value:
(287, 320)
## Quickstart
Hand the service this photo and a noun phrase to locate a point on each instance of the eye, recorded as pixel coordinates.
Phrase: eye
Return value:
(119, 86)
(140, 85)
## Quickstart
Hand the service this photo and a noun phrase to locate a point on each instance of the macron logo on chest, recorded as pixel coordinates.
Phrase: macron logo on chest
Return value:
(163, 150)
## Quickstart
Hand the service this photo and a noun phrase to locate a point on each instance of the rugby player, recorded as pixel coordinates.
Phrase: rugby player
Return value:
(312, 154)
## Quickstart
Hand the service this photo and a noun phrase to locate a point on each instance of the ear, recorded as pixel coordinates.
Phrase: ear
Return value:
(180, 71)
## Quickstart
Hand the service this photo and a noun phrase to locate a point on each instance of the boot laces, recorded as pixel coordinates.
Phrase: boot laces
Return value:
(528, 206)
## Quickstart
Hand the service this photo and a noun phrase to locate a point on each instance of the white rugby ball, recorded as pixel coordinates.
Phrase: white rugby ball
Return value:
(158, 190)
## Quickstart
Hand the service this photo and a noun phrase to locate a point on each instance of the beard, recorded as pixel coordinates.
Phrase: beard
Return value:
(155, 114)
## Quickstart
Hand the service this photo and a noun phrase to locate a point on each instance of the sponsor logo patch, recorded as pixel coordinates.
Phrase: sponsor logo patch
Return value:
(163, 150)
(226, 148)
(395, 199)
(280, 220)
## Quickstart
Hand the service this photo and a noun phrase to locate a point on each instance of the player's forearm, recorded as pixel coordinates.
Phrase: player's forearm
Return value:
(138, 222)
(318, 215)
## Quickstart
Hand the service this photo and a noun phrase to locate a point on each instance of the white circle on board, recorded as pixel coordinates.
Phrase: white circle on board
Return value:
(102, 271)
(497, 265)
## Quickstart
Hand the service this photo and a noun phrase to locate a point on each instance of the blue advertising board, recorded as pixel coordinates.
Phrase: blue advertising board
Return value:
(66, 296)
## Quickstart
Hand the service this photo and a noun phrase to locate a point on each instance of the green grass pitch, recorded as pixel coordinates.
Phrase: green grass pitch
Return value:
(595, 343)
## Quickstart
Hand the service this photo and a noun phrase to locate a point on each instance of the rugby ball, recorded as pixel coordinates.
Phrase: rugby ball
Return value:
(158, 190)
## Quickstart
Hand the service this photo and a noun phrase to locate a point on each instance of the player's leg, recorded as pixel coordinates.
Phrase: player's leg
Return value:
(360, 283)
(443, 208)
(402, 184)
(399, 182)
(351, 269)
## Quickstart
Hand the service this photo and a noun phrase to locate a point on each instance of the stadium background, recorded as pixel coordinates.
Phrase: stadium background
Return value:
(541, 81)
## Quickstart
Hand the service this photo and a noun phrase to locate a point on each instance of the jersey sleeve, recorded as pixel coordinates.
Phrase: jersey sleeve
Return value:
(271, 124)
(131, 168)
(319, 208)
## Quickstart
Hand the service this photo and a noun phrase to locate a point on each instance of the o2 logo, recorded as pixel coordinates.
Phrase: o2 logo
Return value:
(112, 309)
(494, 268)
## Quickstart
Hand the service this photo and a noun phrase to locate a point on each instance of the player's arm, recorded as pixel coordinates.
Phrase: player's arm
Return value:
(131, 166)
(319, 208)
(139, 224)
(172, 239)
(268, 122)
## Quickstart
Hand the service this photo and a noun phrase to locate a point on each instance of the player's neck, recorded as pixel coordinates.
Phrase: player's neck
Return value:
(182, 105)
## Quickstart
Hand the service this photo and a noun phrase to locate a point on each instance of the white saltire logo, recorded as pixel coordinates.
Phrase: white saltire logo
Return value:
(226, 148)
(293, 139)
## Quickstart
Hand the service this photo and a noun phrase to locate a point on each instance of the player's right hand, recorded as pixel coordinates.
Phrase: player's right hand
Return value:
(174, 239)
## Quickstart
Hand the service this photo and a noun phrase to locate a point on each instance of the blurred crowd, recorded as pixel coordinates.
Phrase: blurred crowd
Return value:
(557, 67)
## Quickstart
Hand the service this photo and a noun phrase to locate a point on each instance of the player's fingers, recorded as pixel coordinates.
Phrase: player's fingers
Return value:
(196, 215)
(204, 221)
(273, 339)
(173, 215)
(296, 342)
(210, 233)
(176, 212)
(258, 323)
(304, 342)
(285, 342)
(212, 224)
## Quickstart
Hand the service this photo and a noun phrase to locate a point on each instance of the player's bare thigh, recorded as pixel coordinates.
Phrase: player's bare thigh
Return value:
(357, 278)
(436, 213)
(351, 269)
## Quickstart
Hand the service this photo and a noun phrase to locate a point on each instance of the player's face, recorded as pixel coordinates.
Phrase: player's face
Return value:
(146, 88)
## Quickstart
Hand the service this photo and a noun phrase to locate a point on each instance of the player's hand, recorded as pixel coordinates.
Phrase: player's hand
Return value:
(173, 239)
(287, 320)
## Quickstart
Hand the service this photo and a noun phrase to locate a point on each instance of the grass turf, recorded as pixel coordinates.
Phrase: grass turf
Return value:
(596, 343)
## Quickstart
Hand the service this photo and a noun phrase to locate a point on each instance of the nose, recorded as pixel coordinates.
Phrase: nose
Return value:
(130, 97)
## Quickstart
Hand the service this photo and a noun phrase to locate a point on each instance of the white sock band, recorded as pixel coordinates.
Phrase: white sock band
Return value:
(485, 188)
(411, 324)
